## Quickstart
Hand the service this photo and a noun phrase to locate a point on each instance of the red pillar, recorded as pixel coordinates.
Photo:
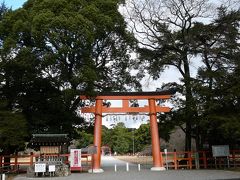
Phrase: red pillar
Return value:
(31, 158)
(1, 158)
(157, 159)
(97, 137)
(16, 162)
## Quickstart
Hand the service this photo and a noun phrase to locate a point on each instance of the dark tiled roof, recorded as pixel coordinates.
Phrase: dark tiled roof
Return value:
(49, 139)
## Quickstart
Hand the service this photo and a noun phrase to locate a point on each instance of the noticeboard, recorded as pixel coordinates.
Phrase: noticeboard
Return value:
(51, 168)
(75, 158)
(220, 151)
(40, 167)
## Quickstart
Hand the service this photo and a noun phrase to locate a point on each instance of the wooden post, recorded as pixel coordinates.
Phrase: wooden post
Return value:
(175, 161)
(1, 158)
(97, 137)
(157, 159)
(233, 157)
(190, 159)
(204, 160)
(31, 158)
(87, 160)
(16, 162)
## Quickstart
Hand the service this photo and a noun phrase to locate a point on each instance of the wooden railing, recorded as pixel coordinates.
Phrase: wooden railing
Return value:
(20, 163)
(200, 159)
(179, 160)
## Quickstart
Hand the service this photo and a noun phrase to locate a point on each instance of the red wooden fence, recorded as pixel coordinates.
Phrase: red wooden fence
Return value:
(200, 159)
(20, 163)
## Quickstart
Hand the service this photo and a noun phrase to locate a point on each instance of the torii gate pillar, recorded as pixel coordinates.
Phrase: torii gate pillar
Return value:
(157, 158)
(97, 138)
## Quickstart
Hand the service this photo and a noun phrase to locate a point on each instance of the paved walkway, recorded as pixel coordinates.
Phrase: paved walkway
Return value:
(145, 174)
(109, 162)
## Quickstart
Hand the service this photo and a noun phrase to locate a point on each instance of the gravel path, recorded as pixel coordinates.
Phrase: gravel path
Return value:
(145, 174)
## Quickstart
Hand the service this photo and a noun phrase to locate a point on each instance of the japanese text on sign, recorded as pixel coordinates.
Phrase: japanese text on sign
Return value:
(41, 167)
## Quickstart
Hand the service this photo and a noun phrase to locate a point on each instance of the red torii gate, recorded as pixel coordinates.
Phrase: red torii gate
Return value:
(152, 109)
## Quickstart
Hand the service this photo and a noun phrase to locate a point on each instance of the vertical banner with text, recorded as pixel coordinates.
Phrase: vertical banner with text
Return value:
(75, 159)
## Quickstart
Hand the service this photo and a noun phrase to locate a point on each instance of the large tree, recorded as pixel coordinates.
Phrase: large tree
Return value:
(216, 86)
(180, 34)
(165, 40)
(53, 50)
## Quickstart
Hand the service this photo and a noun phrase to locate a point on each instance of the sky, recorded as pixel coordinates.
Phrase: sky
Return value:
(14, 4)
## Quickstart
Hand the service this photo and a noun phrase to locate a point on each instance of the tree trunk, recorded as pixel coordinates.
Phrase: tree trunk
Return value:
(188, 140)
(189, 104)
(197, 139)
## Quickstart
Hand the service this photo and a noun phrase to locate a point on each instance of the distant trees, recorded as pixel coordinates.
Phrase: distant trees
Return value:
(123, 140)
(83, 138)
(118, 138)
(142, 137)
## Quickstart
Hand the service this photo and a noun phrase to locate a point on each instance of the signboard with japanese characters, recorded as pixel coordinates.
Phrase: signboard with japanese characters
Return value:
(220, 151)
(49, 149)
(40, 167)
(75, 159)
(51, 168)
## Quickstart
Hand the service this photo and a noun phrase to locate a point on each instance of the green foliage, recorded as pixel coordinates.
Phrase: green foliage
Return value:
(85, 140)
(142, 137)
(120, 139)
(3, 10)
(13, 131)
(54, 50)
(106, 136)
(166, 125)
(217, 87)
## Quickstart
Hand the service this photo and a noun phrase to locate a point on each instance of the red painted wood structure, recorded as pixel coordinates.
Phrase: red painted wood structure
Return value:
(152, 109)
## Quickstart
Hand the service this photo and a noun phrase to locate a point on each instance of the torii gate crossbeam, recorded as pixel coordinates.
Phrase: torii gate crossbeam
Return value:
(152, 109)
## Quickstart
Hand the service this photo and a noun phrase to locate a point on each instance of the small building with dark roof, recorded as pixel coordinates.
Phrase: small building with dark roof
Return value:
(50, 143)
